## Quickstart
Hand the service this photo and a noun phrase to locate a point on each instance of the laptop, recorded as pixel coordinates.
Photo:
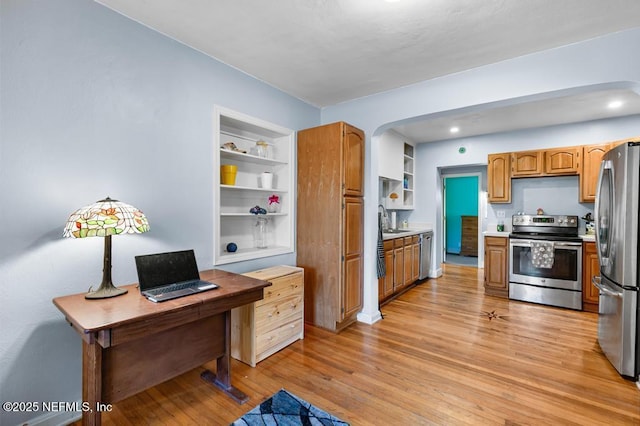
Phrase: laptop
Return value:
(166, 276)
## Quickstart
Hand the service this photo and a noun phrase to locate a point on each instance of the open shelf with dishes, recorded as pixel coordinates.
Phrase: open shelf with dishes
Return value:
(253, 147)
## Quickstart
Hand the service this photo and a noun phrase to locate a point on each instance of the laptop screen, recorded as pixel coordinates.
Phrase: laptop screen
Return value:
(156, 270)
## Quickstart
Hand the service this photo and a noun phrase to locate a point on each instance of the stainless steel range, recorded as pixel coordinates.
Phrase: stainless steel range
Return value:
(546, 260)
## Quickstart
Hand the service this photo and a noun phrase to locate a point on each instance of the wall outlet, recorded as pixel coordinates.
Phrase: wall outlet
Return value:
(500, 214)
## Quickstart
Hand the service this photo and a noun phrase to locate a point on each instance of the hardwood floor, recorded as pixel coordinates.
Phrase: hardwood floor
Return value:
(444, 354)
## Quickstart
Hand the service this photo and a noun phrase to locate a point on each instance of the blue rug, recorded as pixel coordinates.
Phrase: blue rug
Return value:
(286, 409)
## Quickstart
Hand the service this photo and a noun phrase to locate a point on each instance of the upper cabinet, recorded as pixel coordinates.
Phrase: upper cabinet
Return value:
(583, 161)
(590, 168)
(262, 174)
(499, 178)
(390, 156)
(562, 161)
(527, 163)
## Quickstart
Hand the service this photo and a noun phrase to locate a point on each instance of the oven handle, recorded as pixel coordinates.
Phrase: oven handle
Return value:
(597, 282)
(527, 243)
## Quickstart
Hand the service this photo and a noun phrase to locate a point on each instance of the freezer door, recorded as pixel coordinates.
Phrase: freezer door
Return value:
(617, 326)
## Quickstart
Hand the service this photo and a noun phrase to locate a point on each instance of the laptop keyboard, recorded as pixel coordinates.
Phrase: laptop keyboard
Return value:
(171, 288)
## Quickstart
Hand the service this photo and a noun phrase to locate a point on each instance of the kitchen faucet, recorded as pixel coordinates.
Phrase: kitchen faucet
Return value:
(384, 217)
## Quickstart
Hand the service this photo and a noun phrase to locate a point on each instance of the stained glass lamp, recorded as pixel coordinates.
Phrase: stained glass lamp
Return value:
(105, 218)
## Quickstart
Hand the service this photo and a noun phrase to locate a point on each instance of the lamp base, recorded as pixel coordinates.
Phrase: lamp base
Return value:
(106, 291)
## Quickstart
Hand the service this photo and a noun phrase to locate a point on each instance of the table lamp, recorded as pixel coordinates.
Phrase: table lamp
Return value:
(105, 218)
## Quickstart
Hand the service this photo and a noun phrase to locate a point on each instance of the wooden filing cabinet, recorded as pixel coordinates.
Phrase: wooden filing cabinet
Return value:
(262, 328)
(469, 236)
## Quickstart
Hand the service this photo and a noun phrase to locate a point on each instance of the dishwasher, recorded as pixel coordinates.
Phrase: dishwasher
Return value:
(425, 254)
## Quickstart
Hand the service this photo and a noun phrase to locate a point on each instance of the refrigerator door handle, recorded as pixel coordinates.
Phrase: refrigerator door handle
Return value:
(597, 282)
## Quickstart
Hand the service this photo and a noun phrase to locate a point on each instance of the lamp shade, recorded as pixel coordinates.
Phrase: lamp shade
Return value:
(104, 218)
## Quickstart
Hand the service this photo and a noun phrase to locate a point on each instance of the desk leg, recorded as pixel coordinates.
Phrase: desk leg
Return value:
(91, 381)
(222, 378)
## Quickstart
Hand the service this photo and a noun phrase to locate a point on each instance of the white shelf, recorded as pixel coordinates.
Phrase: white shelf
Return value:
(251, 188)
(249, 158)
(233, 223)
(268, 215)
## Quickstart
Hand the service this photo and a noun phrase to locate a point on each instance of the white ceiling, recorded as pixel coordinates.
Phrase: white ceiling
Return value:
(329, 51)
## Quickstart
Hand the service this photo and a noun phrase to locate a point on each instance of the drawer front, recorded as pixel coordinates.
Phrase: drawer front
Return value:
(398, 242)
(278, 313)
(282, 287)
(278, 338)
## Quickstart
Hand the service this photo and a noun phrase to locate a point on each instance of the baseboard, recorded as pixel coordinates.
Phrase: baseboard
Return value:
(435, 273)
(369, 319)
(61, 418)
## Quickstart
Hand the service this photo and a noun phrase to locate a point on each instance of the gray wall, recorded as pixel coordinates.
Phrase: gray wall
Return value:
(94, 104)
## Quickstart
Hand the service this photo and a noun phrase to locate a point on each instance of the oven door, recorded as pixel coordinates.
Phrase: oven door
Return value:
(565, 273)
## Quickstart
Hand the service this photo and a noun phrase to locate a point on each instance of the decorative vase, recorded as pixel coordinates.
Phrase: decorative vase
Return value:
(266, 180)
(272, 208)
(260, 232)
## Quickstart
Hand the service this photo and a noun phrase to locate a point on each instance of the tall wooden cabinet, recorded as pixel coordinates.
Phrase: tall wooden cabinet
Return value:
(330, 222)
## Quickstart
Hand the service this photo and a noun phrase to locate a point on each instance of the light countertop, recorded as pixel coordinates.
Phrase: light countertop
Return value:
(503, 234)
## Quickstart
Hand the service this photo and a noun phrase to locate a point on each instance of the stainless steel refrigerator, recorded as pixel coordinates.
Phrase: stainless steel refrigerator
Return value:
(616, 217)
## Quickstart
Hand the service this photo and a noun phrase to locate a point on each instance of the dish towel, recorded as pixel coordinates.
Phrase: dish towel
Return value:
(381, 267)
(542, 254)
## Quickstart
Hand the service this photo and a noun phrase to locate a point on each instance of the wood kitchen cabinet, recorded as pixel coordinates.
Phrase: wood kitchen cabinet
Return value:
(398, 264)
(499, 178)
(562, 161)
(330, 222)
(496, 266)
(415, 265)
(385, 284)
(262, 328)
(590, 268)
(589, 170)
(402, 261)
(411, 260)
(590, 167)
(527, 163)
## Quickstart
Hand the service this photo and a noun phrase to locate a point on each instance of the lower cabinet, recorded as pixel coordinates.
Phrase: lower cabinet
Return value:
(262, 328)
(496, 266)
(590, 268)
(402, 262)
(385, 284)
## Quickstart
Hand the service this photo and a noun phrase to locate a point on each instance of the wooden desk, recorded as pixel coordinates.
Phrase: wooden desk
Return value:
(130, 344)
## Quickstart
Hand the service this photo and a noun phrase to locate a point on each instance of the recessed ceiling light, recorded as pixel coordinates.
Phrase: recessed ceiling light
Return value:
(454, 129)
(614, 104)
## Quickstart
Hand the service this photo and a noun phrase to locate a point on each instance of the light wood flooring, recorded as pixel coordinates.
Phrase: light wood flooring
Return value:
(444, 354)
